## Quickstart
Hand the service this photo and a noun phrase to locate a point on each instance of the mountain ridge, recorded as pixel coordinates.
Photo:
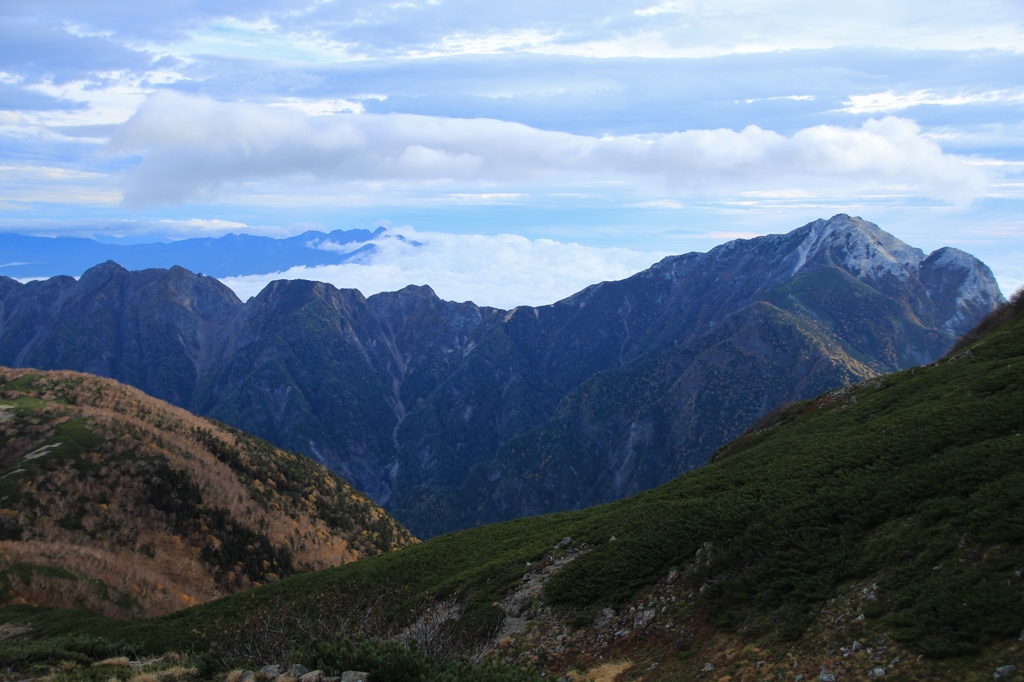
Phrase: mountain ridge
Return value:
(428, 404)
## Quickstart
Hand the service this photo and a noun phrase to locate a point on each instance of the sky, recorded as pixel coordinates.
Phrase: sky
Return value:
(533, 147)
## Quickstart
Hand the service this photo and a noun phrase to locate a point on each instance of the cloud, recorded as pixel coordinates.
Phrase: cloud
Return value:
(501, 271)
(310, 31)
(33, 51)
(883, 102)
(140, 230)
(605, 28)
(192, 146)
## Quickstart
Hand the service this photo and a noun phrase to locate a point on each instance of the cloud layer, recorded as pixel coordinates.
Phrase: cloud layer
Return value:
(501, 270)
(311, 29)
(191, 146)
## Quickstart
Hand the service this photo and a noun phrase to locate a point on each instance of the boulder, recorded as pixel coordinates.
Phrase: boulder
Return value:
(355, 676)
(271, 672)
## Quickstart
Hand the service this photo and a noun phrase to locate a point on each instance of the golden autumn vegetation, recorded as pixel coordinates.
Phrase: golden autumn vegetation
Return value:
(121, 503)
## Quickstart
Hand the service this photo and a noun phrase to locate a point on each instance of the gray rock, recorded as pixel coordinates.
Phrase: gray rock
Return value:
(760, 664)
(247, 676)
(566, 541)
(826, 677)
(707, 668)
(608, 613)
(672, 576)
(271, 672)
(798, 677)
(856, 646)
(354, 676)
(876, 673)
(642, 619)
(297, 670)
(312, 676)
(1004, 671)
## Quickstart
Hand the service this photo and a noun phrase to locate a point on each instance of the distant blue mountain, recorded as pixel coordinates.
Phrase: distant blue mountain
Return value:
(227, 256)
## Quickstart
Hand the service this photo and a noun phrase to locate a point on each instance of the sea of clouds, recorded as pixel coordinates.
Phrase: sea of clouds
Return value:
(502, 270)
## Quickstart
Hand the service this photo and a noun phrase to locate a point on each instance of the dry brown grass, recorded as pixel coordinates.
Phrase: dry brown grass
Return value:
(119, 661)
(177, 673)
(174, 579)
(145, 677)
(607, 672)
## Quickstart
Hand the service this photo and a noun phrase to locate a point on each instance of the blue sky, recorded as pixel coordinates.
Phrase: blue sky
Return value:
(602, 134)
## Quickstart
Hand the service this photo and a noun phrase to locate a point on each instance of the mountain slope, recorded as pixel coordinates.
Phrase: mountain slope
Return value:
(453, 415)
(119, 502)
(877, 526)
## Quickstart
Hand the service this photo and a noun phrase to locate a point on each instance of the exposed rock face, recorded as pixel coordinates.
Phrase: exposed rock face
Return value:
(452, 414)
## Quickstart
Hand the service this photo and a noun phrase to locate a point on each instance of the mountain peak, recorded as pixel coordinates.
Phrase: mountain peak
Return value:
(857, 246)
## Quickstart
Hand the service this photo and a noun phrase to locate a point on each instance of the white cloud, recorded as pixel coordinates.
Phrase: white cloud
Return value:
(193, 146)
(105, 98)
(320, 107)
(501, 271)
(660, 203)
(889, 101)
(328, 32)
(792, 98)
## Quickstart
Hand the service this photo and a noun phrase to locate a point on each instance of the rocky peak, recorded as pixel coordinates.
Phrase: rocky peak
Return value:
(961, 287)
(855, 245)
(99, 275)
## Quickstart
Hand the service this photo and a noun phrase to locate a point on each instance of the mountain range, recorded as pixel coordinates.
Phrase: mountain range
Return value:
(28, 256)
(452, 415)
(873, 532)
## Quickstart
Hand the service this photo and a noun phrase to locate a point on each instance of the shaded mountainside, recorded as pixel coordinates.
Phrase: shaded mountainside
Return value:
(874, 531)
(113, 500)
(452, 415)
